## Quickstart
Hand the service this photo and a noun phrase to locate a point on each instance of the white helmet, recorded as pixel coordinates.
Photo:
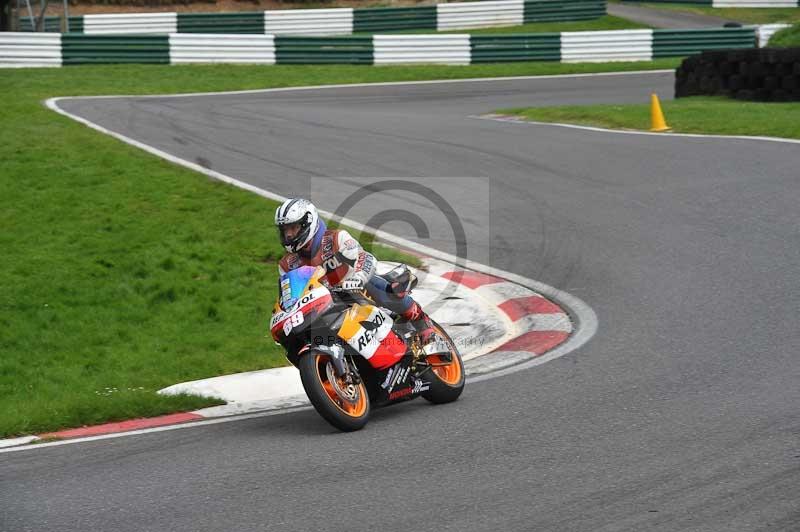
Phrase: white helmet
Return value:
(297, 211)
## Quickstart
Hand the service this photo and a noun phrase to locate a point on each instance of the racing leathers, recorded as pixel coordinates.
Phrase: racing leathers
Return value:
(349, 266)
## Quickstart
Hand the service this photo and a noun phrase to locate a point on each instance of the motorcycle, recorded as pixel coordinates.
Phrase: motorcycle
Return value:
(353, 355)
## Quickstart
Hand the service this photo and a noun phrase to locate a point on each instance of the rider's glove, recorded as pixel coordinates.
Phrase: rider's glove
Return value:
(352, 285)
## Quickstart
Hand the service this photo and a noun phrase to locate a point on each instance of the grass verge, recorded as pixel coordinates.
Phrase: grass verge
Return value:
(786, 38)
(705, 115)
(755, 15)
(123, 273)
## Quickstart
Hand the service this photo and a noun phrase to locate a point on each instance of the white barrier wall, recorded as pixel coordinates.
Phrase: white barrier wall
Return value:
(766, 31)
(30, 49)
(143, 23)
(202, 48)
(603, 46)
(480, 14)
(755, 3)
(437, 49)
(309, 22)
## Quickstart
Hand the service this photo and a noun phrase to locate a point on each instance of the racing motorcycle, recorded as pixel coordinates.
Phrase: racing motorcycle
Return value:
(353, 355)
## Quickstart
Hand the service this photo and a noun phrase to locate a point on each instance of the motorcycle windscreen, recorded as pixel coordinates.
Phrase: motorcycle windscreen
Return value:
(293, 283)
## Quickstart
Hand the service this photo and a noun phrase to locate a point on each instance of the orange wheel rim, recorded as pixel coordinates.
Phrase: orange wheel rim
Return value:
(448, 373)
(355, 408)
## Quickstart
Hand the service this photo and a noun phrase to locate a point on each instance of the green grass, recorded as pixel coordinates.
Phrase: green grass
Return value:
(754, 15)
(686, 115)
(786, 38)
(123, 273)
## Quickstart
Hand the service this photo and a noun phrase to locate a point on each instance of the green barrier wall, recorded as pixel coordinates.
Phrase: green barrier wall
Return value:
(91, 49)
(497, 48)
(394, 18)
(370, 20)
(51, 24)
(678, 43)
(221, 22)
(321, 50)
(78, 49)
(76, 24)
(690, 2)
(555, 10)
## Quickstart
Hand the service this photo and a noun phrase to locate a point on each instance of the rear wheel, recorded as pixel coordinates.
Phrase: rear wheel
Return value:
(344, 405)
(446, 374)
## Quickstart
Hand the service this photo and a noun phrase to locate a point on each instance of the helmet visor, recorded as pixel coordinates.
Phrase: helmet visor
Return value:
(293, 234)
(290, 232)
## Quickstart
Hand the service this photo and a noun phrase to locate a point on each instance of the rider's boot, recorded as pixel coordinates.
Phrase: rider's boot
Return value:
(421, 323)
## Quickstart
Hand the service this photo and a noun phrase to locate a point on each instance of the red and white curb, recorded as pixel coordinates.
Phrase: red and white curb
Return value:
(496, 324)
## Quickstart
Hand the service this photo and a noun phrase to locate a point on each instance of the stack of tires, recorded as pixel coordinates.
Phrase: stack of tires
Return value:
(765, 75)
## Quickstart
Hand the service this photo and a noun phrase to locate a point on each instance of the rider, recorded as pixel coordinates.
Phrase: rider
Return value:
(309, 242)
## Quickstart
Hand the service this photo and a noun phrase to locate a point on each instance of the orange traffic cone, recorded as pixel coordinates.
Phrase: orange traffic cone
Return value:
(656, 115)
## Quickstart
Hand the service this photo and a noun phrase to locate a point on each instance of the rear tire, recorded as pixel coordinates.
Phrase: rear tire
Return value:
(346, 407)
(447, 382)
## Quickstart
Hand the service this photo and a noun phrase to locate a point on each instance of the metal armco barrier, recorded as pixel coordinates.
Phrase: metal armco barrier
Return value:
(729, 3)
(442, 49)
(556, 10)
(345, 21)
(95, 49)
(243, 23)
(678, 43)
(464, 15)
(755, 3)
(687, 2)
(309, 22)
(76, 24)
(51, 24)
(394, 18)
(32, 49)
(505, 48)
(199, 48)
(324, 50)
(138, 23)
(604, 46)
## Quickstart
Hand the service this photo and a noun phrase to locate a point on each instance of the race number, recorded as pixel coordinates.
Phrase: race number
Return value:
(294, 320)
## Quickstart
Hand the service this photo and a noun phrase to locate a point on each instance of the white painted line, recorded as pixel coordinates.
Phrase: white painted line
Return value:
(13, 442)
(188, 425)
(522, 121)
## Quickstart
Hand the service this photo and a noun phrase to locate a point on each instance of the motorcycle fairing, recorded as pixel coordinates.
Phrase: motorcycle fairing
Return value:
(307, 303)
(400, 382)
(368, 330)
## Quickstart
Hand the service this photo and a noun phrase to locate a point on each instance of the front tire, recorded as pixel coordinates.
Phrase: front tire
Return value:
(345, 406)
(446, 376)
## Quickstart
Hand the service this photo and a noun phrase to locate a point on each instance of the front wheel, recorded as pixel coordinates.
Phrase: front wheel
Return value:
(344, 405)
(446, 373)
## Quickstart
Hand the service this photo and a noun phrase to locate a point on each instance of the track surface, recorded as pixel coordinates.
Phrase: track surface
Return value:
(680, 414)
(663, 18)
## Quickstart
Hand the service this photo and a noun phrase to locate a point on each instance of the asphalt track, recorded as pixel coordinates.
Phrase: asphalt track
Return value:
(680, 414)
(663, 18)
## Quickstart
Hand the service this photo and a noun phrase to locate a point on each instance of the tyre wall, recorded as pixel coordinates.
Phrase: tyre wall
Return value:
(764, 74)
